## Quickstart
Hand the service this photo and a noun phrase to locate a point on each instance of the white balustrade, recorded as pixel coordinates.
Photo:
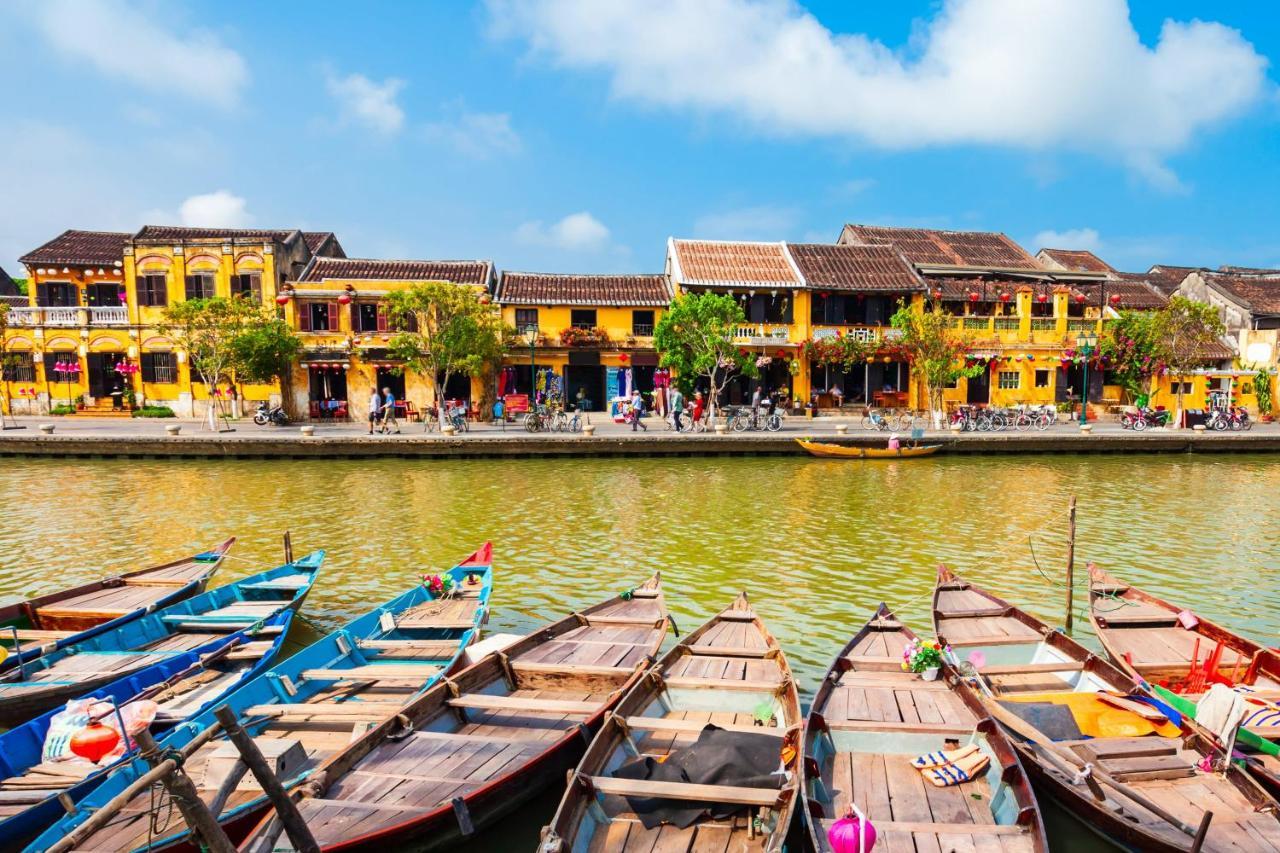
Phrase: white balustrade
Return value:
(108, 315)
(62, 316)
(24, 316)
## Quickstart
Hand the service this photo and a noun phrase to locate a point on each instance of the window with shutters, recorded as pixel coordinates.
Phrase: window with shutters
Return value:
(526, 317)
(583, 318)
(153, 289)
(247, 284)
(159, 367)
(103, 294)
(318, 316)
(57, 294)
(200, 286)
(368, 317)
(18, 367)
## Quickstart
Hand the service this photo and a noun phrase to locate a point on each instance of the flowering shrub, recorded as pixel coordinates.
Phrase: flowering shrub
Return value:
(437, 585)
(576, 337)
(917, 657)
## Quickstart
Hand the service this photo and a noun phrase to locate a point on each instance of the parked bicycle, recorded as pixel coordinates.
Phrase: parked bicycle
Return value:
(755, 419)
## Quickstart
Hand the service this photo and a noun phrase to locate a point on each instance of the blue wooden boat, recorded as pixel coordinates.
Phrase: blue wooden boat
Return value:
(183, 686)
(306, 708)
(199, 624)
(55, 620)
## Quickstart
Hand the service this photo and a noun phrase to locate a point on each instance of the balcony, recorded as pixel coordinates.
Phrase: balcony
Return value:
(863, 334)
(108, 315)
(761, 335)
(61, 316)
(642, 330)
(24, 316)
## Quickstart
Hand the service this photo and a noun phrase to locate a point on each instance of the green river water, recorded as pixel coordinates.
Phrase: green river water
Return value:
(816, 543)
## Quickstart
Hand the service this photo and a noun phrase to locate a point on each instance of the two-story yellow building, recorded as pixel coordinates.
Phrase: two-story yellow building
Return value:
(585, 338)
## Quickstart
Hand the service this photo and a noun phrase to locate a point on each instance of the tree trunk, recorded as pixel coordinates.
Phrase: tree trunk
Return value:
(714, 395)
(438, 390)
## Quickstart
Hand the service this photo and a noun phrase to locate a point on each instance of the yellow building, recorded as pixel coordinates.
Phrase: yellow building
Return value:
(587, 337)
(338, 306)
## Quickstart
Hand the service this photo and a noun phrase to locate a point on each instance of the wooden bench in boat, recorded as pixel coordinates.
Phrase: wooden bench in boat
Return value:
(1109, 588)
(1127, 747)
(249, 651)
(432, 648)
(1138, 619)
(31, 634)
(733, 652)
(288, 583)
(482, 702)
(363, 710)
(731, 794)
(694, 683)
(996, 640)
(1031, 668)
(898, 726)
(976, 613)
(445, 613)
(977, 829)
(1141, 768)
(875, 663)
(570, 669)
(662, 724)
(737, 616)
(375, 672)
(620, 620)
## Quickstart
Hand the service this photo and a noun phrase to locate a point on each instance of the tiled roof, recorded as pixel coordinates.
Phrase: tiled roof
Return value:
(1136, 292)
(950, 248)
(164, 233)
(324, 243)
(1260, 293)
(1077, 260)
(1248, 270)
(854, 268)
(1166, 279)
(958, 289)
(715, 262)
(370, 269)
(528, 288)
(79, 247)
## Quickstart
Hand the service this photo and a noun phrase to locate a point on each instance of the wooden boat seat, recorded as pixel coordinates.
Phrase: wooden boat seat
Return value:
(1029, 668)
(664, 724)
(31, 634)
(1094, 749)
(532, 667)
(875, 663)
(1137, 618)
(732, 652)
(288, 583)
(249, 651)
(995, 640)
(375, 672)
(483, 702)
(1109, 588)
(621, 620)
(444, 613)
(976, 613)
(731, 794)
(363, 710)
(897, 726)
(427, 648)
(738, 616)
(978, 830)
(691, 682)
(1140, 768)
(156, 581)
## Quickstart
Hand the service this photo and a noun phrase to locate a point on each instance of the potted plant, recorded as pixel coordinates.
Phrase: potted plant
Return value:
(924, 658)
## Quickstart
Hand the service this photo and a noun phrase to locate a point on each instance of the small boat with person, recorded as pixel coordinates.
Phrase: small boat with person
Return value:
(827, 450)
(44, 623)
(918, 762)
(701, 754)
(1129, 766)
(200, 624)
(469, 750)
(299, 712)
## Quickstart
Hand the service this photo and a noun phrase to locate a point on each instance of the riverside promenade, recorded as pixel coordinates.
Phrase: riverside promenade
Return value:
(86, 436)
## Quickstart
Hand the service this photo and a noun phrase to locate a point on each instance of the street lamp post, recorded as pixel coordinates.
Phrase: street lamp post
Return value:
(1085, 345)
(531, 337)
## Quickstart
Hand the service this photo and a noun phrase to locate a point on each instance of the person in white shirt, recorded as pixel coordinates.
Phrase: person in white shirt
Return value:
(375, 409)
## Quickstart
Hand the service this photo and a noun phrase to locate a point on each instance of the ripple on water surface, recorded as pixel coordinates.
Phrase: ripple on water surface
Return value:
(817, 543)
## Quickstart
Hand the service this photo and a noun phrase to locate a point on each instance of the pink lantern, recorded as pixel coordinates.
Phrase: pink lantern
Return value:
(852, 834)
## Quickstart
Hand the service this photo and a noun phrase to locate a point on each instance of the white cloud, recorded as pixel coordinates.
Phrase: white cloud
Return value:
(577, 232)
(1073, 238)
(478, 135)
(219, 209)
(1056, 73)
(761, 222)
(365, 102)
(120, 40)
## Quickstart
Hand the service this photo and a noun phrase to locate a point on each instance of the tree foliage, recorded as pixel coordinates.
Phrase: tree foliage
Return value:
(934, 347)
(1185, 331)
(265, 351)
(1131, 351)
(695, 338)
(444, 330)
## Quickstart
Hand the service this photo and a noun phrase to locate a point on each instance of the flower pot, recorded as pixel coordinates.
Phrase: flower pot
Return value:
(589, 430)
(173, 429)
(721, 429)
(47, 429)
(930, 674)
(308, 430)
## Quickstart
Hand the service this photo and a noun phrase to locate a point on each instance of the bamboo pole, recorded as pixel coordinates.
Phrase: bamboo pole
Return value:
(186, 797)
(288, 547)
(286, 809)
(1071, 561)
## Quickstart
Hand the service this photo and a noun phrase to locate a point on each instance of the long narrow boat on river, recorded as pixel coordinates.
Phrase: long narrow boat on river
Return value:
(868, 723)
(701, 754)
(1179, 655)
(841, 451)
(478, 744)
(44, 623)
(299, 712)
(1127, 765)
(33, 787)
(202, 624)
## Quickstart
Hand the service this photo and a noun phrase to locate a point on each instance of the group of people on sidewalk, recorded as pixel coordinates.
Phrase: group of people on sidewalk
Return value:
(696, 409)
(382, 412)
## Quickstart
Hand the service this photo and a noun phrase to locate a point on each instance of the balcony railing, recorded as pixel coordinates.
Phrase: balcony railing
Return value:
(761, 335)
(108, 315)
(1007, 324)
(980, 324)
(1044, 324)
(863, 334)
(24, 316)
(61, 316)
(642, 330)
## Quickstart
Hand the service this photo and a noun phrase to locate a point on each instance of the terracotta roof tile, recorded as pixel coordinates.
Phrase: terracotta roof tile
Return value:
(1077, 260)
(79, 247)
(711, 262)
(1166, 279)
(163, 233)
(854, 268)
(1261, 293)
(924, 246)
(370, 269)
(989, 289)
(525, 288)
(324, 243)
(1136, 292)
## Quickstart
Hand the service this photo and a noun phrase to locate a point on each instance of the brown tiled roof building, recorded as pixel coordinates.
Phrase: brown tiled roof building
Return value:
(369, 269)
(925, 247)
(1166, 279)
(1260, 294)
(524, 288)
(82, 248)
(324, 243)
(854, 268)
(1073, 260)
(733, 264)
(1135, 291)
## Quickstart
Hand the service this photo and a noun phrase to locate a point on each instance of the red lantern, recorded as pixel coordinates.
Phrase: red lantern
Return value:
(1115, 299)
(937, 294)
(94, 741)
(1080, 298)
(624, 358)
(781, 354)
(282, 299)
(973, 297)
(485, 299)
(1044, 297)
(344, 299)
(1004, 297)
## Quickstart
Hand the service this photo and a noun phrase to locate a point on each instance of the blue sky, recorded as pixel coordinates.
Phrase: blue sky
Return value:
(577, 135)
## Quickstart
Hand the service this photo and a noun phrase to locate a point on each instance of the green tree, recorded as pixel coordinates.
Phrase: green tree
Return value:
(1131, 351)
(444, 330)
(265, 351)
(934, 348)
(695, 338)
(1185, 331)
(210, 331)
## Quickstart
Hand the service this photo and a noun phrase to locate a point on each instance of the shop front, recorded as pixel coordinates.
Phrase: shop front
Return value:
(327, 392)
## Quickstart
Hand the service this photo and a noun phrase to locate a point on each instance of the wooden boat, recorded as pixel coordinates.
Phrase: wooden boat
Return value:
(53, 621)
(1128, 773)
(303, 709)
(478, 744)
(840, 451)
(870, 719)
(1145, 636)
(201, 624)
(730, 675)
(32, 790)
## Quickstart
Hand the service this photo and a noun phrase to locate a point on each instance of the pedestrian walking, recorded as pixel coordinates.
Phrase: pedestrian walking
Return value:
(637, 411)
(375, 409)
(755, 400)
(699, 404)
(389, 412)
(677, 407)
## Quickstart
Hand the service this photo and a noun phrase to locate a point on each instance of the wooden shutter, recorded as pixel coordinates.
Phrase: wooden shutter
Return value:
(382, 318)
(148, 367)
(304, 316)
(355, 317)
(333, 316)
(42, 294)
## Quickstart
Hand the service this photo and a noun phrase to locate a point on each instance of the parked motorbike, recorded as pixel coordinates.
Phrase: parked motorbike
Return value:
(270, 415)
(1145, 417)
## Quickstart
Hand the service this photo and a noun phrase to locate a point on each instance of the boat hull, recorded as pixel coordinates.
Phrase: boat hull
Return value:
(840, 451)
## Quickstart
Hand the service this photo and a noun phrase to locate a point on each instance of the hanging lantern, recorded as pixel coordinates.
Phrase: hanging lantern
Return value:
(1115, 299)
(1004, 297)
(937, 294)
(887, 359)
(282, 299)
(1044, 297)
(973, 297)
(781, 353)
(624, 358)
(1080, 297)
(94, 742)
(485, 299)
(344, 299)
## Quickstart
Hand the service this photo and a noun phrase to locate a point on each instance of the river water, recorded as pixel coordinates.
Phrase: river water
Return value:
(816, 543)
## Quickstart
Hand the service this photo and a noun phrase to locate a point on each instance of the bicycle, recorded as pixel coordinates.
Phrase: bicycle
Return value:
(536, 420)
(457, 417)
(874, 419)
(757, 419)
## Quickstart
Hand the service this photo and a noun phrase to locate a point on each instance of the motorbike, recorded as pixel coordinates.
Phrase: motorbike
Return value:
(1145, 417)
(270, 415)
